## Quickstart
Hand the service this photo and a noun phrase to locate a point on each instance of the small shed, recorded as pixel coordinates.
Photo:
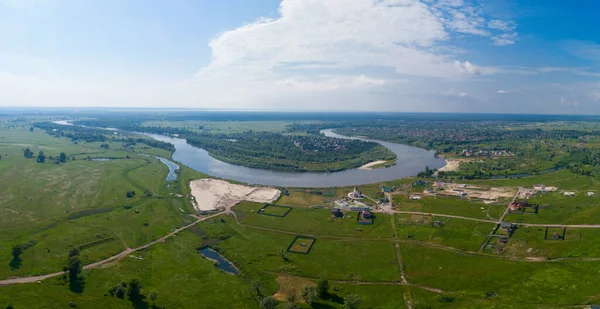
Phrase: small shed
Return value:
(367, 214)
(337, 213)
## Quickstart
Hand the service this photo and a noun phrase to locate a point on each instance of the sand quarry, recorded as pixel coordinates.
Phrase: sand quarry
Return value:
(211, 194)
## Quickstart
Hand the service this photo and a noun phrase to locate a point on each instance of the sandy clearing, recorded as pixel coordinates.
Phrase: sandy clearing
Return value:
(213, 194)
(371, 164)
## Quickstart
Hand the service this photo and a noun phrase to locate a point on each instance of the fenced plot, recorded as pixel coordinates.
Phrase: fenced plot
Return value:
(555, 233)
(274, 210)
(301, 244)
(365, 217)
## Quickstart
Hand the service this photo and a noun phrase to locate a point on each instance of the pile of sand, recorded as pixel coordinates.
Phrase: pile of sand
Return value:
(213, 194)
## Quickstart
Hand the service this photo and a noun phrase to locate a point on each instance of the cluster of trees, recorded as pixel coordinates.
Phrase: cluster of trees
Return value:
(77, 133)
(289, 152)
(310, 294)
(16, 252)
(41, 157)
(133, 290)
(74, 133)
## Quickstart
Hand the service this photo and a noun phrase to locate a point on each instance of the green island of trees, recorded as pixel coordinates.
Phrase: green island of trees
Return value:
(314, 153)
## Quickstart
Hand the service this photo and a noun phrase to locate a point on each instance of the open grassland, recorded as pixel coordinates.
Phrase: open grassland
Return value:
(341, 260)
(532, 284)
(560, 179)
(79, 203)
(558, 209)
(172, 265)
(444, 205)
(531, 242)
(50, 208)
(314, 222)
(449, 232)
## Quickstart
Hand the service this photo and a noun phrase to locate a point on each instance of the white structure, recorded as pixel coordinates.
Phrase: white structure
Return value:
(415, 197)
(590, 193)
(355, 194)
(569, 193)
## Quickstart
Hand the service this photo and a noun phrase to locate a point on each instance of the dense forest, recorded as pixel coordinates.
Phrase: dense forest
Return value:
(289, 152)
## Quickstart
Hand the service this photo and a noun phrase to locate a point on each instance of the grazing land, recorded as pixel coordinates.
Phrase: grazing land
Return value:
(448, 240)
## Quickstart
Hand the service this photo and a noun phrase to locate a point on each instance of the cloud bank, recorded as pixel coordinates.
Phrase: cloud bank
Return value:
(401, 55)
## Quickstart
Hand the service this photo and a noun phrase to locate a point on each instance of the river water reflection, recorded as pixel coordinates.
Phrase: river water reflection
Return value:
(411, 160)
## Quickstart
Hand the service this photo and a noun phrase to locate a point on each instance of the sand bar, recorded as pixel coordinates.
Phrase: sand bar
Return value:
(369, 166)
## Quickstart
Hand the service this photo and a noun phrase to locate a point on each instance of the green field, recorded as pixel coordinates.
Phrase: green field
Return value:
(314, 222)
(445, 205)
(47, 209)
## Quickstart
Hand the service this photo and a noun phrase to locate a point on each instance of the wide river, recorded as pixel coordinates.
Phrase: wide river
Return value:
(411, 160)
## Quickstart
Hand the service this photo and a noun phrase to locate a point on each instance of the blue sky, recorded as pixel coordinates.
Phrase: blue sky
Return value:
(508, 56)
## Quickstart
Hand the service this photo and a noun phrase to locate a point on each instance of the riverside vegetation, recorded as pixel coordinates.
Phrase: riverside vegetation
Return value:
(65, 214)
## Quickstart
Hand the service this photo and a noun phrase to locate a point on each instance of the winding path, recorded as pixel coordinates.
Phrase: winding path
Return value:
(115, 258)
(111, 260)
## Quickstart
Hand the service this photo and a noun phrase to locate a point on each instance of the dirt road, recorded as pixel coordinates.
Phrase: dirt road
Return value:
(111, 260)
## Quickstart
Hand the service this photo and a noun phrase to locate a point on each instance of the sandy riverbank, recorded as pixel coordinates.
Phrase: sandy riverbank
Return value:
(451, 165)
(369, 166)
(212, 194)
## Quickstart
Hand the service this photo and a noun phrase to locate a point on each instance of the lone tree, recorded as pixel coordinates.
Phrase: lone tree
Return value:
(268, 303)
(309, 294)
(16, 251)
(322, 287)
(152, 297)
(255, 286)
(63, 157)
(41, 158)
(352, 301)
(133, 289)
(28, 153)
(290, 305)
(74, 252)
(74, 267)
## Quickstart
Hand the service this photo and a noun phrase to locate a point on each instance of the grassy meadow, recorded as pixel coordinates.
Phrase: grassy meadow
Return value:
(51, 208)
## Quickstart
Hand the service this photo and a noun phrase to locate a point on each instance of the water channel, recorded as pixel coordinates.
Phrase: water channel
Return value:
(410, 161)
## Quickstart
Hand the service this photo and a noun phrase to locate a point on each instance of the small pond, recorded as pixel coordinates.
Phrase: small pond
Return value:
(222, 263)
